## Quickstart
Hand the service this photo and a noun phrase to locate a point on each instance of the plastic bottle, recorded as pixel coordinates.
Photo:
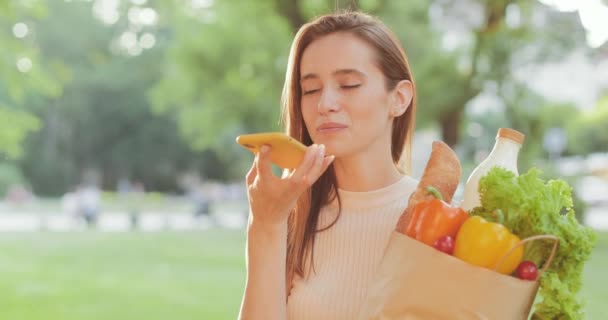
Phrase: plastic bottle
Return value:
(504, 154)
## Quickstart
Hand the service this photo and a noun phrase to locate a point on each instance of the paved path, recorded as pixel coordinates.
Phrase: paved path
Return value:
(118, 222)
(160, 221)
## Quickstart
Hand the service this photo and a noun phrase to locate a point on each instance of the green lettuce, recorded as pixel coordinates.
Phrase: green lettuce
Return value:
(532, 206)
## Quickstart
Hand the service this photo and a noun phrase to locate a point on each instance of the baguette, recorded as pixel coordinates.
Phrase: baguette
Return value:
(442, 172)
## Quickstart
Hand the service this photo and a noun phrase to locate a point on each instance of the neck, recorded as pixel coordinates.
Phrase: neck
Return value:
(366, 171)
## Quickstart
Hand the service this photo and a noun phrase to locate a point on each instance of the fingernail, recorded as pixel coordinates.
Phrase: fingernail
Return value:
(322, 151)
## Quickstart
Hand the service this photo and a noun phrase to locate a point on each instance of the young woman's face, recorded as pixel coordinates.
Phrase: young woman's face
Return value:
(345, 103)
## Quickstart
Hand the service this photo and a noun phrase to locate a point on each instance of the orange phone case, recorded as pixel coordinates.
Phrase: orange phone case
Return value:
(286, 152)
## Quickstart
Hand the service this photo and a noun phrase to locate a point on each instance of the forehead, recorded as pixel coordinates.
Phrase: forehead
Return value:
(337, 51)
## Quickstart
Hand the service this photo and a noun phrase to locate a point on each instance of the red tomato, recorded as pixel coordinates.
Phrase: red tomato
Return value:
(527, 270)
(445, 244)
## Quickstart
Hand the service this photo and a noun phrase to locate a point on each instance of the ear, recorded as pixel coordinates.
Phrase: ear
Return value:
(403, 94)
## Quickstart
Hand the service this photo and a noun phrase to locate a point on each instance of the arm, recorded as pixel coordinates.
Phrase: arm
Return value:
(264, 296)
(270, 201)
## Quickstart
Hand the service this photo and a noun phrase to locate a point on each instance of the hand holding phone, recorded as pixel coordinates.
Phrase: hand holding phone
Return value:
(286, 152)
(272, 198)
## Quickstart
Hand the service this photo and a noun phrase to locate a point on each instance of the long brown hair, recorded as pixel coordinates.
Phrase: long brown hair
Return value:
(392, 61)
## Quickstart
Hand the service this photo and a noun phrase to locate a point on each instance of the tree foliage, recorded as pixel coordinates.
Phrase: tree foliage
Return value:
(217, 68)
(103, 122)
(21, 70)
(589, 132)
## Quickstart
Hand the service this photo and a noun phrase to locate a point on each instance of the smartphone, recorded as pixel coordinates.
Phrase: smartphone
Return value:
(286, 152)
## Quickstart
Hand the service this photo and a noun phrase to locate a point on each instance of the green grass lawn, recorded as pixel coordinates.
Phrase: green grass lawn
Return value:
(112, 276)
(198, 275)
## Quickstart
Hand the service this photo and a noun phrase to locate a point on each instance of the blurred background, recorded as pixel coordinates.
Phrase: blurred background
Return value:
(122, 188)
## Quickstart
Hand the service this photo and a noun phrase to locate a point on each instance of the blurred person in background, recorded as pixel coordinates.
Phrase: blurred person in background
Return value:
(70, 204)
(201, 202)
(131, 194)
(90, 202)
(18, 194)
(136, 197)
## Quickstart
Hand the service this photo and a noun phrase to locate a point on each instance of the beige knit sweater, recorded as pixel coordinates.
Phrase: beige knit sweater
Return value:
(347, 255)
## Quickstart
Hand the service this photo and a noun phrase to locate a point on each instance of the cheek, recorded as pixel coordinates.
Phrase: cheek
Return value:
(309, 104)
(371, 106)
(309, 119)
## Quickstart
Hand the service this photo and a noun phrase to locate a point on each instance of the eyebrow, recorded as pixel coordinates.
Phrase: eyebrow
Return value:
(335, 73)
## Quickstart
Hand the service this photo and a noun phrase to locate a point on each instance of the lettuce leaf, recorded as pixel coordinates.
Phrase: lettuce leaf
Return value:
(532, 206)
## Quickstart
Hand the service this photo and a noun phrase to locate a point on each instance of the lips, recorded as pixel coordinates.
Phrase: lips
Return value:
(330, 127)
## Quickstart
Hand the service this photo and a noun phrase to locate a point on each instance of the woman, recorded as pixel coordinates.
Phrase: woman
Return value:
(316, 235)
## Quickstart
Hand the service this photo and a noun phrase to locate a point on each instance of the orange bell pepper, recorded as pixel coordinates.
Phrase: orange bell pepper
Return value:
(433, 219)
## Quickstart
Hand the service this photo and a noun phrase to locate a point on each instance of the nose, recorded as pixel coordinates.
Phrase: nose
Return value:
(328, 102)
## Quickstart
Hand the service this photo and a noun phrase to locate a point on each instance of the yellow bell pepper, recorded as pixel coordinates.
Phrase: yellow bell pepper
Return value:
(484, 244)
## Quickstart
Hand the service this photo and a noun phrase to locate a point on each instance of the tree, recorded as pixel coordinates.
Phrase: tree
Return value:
(103, 121)
(223, 74)
(226, 67)
(588, 132)
(508, 36)
(211, 55)
(21, 71)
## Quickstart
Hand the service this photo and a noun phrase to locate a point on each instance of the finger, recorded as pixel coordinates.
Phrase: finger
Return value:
(311, 176)
(263, 166)
(286, 173)
(317, 170)
(307, 163)
(252, 173)
(327, 162)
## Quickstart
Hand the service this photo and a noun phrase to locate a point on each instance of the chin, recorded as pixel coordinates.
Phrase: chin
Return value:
(335, 149)
(332, 146)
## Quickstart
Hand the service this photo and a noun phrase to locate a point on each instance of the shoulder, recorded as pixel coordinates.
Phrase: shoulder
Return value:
(409, 183)
(407, 186)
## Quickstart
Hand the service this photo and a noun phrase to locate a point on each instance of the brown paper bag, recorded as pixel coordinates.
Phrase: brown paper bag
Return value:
(416, 281)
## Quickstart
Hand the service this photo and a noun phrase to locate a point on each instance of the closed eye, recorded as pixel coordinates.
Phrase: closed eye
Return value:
(353, 86)
(306, 92)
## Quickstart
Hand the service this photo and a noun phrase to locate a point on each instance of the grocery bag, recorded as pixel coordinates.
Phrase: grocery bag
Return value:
(416, 281)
